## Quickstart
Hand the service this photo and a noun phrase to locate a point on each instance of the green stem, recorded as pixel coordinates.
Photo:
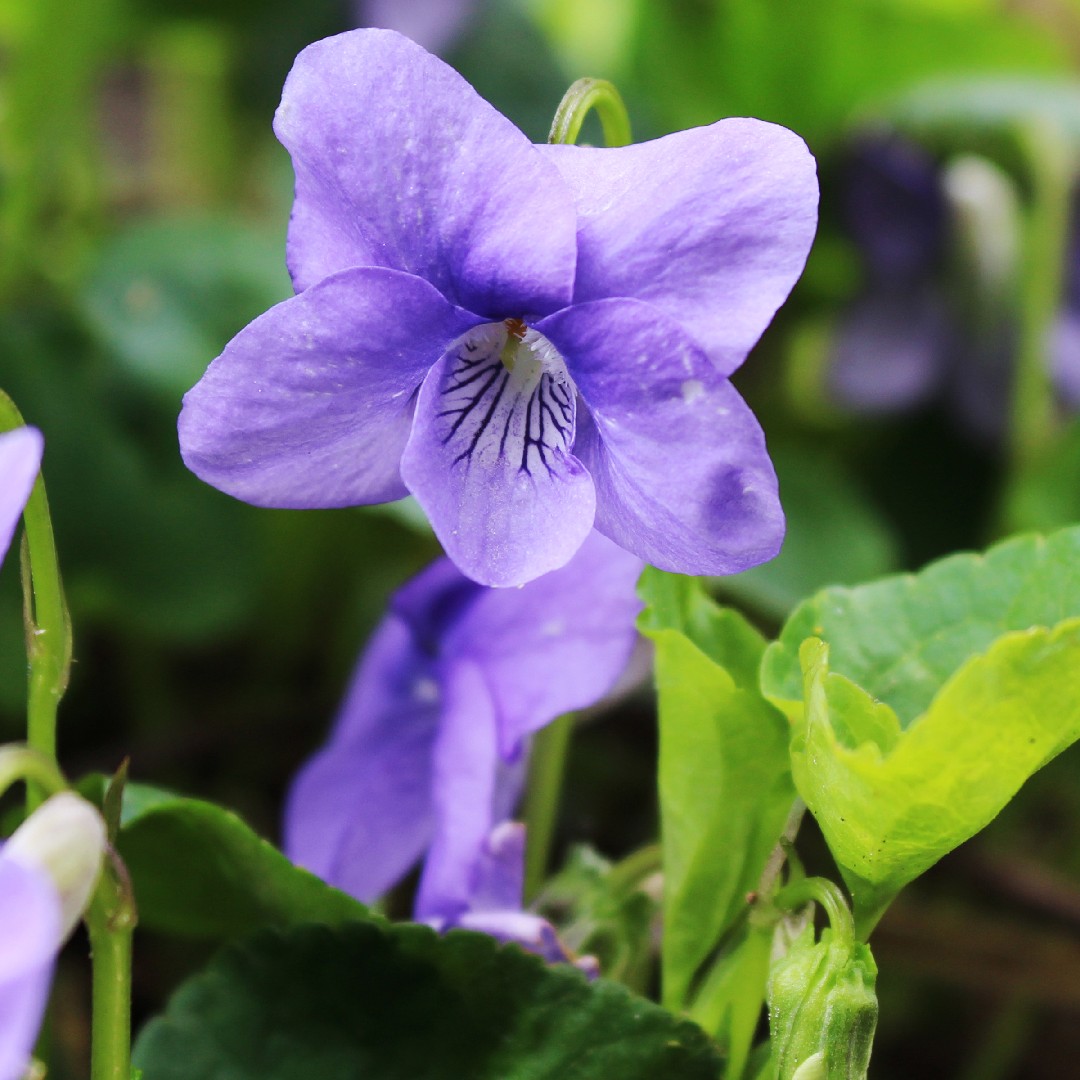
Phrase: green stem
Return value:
(542, 798)
(828, 895)
(1032, 419)
(48, 629)
(627, 874)
(22, 763)
(584, 95)
(110, 922)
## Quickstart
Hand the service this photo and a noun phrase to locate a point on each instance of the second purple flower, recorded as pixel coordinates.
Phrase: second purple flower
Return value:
(532, 340)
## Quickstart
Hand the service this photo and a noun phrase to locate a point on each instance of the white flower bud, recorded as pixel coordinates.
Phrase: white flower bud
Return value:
(64, 837)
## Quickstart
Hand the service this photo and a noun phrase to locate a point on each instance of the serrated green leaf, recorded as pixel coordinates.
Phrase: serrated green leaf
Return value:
(901, 638)
(725, 786)
(200, 871)
(890, 808)
(383, 1002)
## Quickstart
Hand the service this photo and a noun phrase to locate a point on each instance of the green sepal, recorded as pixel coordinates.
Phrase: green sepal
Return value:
(822, 1009)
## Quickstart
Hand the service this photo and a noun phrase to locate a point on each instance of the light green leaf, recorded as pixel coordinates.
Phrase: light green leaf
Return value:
(725, 787)
(680, 603)
(389, 1002)
(199, 871)
(901, 638)
(892, 803)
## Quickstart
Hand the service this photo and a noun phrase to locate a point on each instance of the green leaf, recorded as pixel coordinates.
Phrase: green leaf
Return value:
(891, 802)
(382, 1002)
(901, 638)
(679, 603)
(725, 788)
(605, 910)
(199, 871)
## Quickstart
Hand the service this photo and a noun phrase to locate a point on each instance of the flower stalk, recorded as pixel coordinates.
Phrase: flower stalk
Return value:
(546, 767)
(110, 922)
(48, 628)
(584, 95)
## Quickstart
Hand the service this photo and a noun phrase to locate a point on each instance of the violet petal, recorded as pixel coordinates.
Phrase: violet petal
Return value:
(466, 773)
(359, 813)
(489, 460)
(679, 462)
(311, 404)
(400, 163)
(20, 459)
(891, 350)
(30, 935)
(556, 644)
(711, 225)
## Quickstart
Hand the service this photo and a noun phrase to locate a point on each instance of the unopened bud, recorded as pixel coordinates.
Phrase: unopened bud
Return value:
(64, 838)
(823, 1009)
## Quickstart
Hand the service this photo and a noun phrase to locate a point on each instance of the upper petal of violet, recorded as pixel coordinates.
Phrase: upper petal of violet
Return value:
(20, 459)
(312, 403)
(400, 163)
(711, 225)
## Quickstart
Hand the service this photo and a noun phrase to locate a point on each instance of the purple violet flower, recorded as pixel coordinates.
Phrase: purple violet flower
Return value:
(532, 340)
(434, 24)
(48, 869)
(30, 936)
(428, 751)
(20, 460)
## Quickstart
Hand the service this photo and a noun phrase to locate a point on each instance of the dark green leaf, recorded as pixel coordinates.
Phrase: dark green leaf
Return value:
(383, 1002)
(199, 871)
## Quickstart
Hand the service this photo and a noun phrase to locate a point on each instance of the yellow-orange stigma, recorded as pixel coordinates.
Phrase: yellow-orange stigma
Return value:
(515, 328)
(515, 333)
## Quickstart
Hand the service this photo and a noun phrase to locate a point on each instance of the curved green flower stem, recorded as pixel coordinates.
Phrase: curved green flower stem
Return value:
(48, 628)
(549, 747)
(628, 873)
(783, 852)
(22, 763)
(588, 94)
(1032, 419)
(110, 921)
(829, 895)
(546, 762)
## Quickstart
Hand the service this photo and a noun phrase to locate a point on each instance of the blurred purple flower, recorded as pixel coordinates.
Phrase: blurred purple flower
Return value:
(20, 459)
(428, 752)
(908, 337)
(434, 24)
(532, 340)
(892, 347)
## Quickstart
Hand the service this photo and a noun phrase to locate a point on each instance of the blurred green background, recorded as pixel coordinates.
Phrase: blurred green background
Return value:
(143, 207)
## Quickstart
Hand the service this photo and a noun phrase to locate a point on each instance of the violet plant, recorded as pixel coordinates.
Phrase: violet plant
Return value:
(536, 342)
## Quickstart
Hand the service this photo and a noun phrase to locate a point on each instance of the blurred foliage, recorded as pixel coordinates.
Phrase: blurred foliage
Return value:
(143, 204)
